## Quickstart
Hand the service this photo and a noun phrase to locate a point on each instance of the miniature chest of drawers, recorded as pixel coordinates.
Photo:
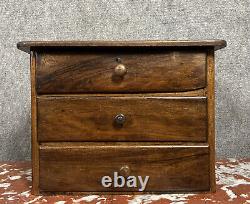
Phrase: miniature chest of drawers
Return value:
(107, 113)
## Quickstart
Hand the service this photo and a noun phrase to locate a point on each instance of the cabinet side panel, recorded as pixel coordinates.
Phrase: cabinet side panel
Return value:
(35, 145)
(211, 116)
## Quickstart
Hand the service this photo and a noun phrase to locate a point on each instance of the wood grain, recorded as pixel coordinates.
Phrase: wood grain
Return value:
(79, 167)
(166, 94)
(147, 118)
(27, 46)
(34, 141)
(147, 71)
(198, 93)
(211, 116)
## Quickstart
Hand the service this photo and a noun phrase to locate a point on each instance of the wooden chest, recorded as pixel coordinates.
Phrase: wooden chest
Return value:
(115, 116)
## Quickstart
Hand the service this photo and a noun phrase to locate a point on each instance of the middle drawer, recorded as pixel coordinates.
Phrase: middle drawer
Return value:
(113, 118)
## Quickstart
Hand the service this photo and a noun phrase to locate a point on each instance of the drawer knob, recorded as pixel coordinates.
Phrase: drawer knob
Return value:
(120, 119)
(124, 171)
(120, 70)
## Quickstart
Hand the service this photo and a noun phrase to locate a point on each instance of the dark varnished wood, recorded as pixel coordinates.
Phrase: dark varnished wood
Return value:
(80, 167)
(211, 116)
(94, 72)
(33, 45)
(198, 93)
(166, 92)
(91, 118)
(34, 139)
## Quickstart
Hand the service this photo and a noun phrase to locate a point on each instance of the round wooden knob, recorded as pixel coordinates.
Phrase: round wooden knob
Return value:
(120, 119)
(120, 70)
(124, 171)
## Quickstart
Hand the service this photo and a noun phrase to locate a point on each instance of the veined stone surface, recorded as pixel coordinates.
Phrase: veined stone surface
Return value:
(233, 186)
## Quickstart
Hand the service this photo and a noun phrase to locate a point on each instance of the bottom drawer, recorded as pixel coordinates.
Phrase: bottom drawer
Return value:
(124, 167)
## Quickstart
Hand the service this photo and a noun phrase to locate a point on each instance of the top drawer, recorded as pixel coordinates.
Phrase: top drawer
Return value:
(120, 70)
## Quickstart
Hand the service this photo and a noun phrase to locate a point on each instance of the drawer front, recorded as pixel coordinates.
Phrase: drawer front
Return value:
(120, 71)
(162, 168)
(122, 118)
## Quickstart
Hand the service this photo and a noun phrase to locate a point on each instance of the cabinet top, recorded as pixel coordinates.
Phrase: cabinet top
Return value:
(27, 46)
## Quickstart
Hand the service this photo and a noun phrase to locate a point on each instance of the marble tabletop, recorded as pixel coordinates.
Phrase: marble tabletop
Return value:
(233, 186)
